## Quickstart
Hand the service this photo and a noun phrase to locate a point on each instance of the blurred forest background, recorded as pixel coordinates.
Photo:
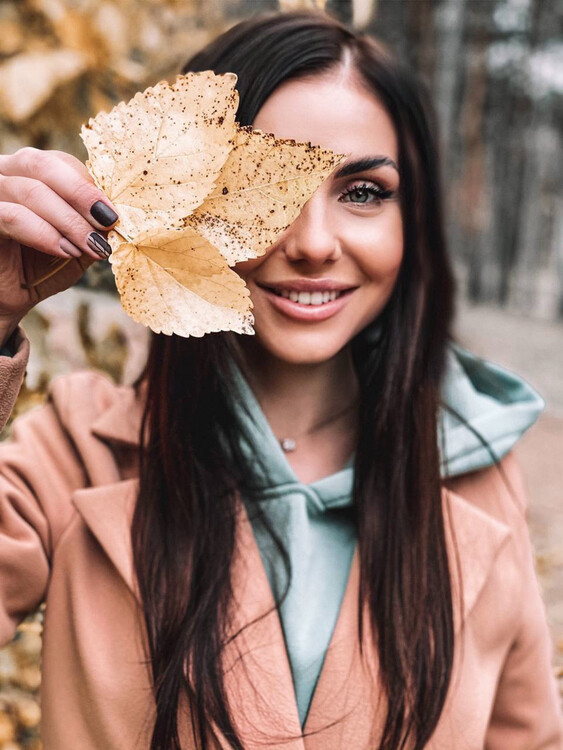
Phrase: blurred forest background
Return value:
(495, 72)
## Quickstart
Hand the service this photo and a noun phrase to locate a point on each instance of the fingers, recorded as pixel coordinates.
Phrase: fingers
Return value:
(67, 178)
(73, 162)
(68, 232)
(20, 224)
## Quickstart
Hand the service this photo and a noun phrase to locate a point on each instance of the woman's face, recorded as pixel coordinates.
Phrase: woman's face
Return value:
(332, 271)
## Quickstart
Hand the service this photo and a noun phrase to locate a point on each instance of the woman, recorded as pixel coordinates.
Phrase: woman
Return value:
(204, 591)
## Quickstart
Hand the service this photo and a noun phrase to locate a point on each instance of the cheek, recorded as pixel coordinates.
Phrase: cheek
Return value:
(379, 247)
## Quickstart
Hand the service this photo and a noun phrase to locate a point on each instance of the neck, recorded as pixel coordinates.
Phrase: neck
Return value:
(296, 397)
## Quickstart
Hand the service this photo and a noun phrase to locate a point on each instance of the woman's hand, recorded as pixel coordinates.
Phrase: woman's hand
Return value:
(51, 215)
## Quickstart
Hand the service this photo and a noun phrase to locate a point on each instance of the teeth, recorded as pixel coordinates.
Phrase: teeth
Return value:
(309, 298)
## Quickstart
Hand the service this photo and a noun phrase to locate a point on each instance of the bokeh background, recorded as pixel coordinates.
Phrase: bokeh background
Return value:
(494, 69)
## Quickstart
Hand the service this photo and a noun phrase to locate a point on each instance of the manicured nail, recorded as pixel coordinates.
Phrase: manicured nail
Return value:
(97, 243)
(68, 248)
(103, 214)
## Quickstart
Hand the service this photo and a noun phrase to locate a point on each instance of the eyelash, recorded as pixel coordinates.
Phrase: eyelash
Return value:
(380, 194)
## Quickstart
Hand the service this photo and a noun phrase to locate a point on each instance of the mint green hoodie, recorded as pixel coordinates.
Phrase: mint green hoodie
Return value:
(314, 521)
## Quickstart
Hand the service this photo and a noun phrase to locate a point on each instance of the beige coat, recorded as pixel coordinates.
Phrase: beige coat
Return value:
(67, 489)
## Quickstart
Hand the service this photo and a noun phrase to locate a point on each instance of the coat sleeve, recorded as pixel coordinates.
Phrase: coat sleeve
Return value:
(12, 371)
(526, 713)
(39, 469)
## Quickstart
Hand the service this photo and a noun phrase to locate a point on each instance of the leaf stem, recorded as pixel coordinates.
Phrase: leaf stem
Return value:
(123, 235)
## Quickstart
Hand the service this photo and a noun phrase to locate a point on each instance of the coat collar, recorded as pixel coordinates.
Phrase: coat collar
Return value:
(120, 422)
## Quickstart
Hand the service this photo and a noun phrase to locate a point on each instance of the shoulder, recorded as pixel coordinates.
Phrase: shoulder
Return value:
(62, 432)
(54, 449)
(77, 400)
(498, 490)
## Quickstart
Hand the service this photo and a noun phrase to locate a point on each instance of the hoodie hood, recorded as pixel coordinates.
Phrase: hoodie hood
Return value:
(485, 410)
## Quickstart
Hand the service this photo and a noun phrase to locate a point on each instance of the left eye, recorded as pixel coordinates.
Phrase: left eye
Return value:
(364, 194)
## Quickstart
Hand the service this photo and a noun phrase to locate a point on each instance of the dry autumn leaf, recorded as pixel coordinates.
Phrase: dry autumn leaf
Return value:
(260, 191)
(174, 281)
(195, 192)
(158, 157)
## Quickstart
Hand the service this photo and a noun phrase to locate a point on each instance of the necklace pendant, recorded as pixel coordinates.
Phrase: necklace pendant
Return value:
(288, 445)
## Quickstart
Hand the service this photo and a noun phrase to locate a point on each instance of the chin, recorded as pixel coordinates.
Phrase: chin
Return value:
(297, 350)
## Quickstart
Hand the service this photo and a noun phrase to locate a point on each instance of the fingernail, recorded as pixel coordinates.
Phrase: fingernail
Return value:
(97, 243)
(68, 248)
(103, 214)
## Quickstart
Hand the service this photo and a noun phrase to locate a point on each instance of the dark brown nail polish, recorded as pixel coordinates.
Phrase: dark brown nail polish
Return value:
(103, 214)
(99, 245)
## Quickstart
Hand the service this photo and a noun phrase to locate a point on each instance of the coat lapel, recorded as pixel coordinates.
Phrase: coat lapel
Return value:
(107, 510)
(339, 715)
(258, 676)
(121, 421)
(474, 540)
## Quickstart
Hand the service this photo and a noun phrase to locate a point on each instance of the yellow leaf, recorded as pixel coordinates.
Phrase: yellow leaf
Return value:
(158, 156)
(261, 189)
(174, 281)
(194, 192)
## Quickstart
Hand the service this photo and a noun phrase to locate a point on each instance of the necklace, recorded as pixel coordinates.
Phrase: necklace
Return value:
(289, 444)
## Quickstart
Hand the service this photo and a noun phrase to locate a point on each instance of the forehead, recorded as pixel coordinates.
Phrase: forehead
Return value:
(331, 110)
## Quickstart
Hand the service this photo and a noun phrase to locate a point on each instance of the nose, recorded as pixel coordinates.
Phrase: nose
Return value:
(312, 237)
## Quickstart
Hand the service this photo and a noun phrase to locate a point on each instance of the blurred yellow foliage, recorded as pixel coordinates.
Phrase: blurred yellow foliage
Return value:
(62, 61)
(20, 680)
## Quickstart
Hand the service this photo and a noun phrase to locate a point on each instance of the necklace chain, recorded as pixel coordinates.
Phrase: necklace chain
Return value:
(289, 444)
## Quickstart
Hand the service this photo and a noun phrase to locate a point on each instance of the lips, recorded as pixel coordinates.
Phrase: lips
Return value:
(314, 292)
(310, 300)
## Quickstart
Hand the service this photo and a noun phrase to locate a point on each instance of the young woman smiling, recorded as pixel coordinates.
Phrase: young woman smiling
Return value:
(303, 539)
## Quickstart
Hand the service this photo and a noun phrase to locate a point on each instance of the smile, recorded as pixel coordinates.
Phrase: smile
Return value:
(308, 300)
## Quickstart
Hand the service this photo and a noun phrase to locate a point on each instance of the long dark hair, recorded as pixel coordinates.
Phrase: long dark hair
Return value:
(184, 528)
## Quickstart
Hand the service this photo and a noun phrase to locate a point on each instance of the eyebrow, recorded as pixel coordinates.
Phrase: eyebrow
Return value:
(364, 165)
